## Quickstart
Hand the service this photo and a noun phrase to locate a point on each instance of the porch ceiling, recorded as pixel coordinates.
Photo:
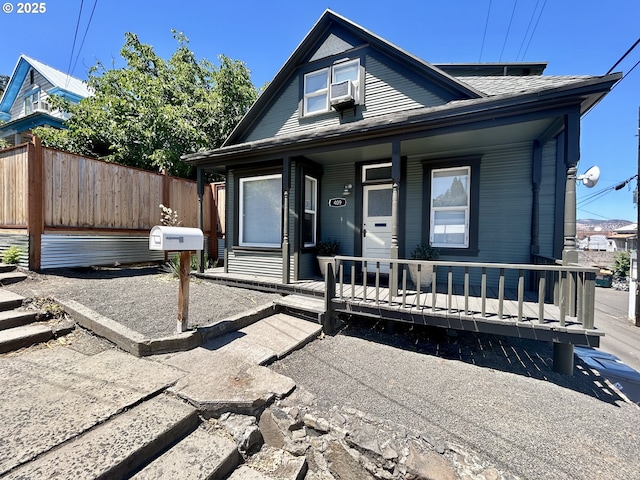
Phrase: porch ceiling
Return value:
(432, 144)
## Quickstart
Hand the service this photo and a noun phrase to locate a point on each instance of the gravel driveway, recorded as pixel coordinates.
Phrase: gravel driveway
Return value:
(144, 299)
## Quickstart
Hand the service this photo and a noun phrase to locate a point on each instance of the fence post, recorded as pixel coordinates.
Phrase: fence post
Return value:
(35, 210)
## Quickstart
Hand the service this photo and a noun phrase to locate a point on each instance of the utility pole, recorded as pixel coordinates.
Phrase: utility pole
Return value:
(638, 229)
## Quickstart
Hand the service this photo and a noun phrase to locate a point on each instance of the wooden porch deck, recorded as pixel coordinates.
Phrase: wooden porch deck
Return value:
(497, 311)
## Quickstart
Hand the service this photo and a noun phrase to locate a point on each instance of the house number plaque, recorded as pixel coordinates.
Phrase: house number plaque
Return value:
(337, 202)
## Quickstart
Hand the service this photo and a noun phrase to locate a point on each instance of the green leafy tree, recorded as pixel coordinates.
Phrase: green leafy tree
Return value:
(152, 111)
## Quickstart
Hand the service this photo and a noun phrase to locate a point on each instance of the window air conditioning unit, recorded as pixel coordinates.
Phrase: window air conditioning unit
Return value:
(342, 94)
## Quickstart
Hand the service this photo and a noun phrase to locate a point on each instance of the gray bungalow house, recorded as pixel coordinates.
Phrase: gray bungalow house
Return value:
(357, 140)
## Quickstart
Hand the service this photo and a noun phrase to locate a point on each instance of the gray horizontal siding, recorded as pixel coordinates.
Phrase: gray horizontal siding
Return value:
(547, 199)
(338, 223)
(386, 91)
(89, 250)
(17, 109)
(506, 200)
(268, 264)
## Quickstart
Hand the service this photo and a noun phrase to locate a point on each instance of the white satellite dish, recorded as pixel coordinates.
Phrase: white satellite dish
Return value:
(590, 177)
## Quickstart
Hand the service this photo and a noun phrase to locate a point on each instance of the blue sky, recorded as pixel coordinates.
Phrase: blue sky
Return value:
(584, 37)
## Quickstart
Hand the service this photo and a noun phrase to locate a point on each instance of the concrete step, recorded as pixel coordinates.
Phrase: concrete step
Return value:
(16, 318)
(24, 336)
(9, 300)
(118, 447)
(11, 277)
(203, 454)
(5, 267)
(268, 339)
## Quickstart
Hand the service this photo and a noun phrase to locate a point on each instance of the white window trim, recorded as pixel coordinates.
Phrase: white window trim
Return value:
(330, 79)
(28, 99)
(374, 166)
(467, 210)
(241, 241)
(317, 93)
(312, 211)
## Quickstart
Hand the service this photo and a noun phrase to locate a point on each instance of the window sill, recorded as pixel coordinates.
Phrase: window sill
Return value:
(238, 248)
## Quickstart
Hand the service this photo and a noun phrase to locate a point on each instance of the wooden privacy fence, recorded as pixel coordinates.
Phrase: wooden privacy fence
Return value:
(58, 198)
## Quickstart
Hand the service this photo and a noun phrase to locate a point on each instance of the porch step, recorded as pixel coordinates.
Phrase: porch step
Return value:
(11, 277)
(9, 300)
(5, 267)
(302, 304)
(16, 318)
(118, 447)
(204, 453)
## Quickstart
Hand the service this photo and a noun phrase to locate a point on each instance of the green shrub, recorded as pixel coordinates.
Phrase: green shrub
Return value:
(621, 264)
(12, 255)
(424, 251)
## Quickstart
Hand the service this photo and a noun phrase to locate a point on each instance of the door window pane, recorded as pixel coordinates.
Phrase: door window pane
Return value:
(379, 203)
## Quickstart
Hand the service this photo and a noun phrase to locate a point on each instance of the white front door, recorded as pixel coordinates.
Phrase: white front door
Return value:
(376, 224)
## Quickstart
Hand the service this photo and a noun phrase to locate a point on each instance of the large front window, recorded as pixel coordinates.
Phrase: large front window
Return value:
(450, 202)
(261, 211)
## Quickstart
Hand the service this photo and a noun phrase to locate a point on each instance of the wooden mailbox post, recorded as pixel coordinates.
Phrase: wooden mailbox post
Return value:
(184, 240)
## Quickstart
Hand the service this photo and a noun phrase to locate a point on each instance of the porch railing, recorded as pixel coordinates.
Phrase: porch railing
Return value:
(359, 278)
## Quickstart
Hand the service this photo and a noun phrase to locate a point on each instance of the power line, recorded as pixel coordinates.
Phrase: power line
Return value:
(528, 27)
(486, 24)
(623, 57)
(75, 36)
(95, 3)
(515, 4)
(534, 29)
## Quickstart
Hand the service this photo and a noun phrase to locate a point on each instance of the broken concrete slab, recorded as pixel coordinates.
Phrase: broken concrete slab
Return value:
(227, 384)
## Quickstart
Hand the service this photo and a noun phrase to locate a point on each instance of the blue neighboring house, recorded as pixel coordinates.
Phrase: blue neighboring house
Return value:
(24, 104)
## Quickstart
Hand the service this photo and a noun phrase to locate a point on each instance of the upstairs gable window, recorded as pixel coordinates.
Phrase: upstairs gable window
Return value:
(32, 102)
(317, 85)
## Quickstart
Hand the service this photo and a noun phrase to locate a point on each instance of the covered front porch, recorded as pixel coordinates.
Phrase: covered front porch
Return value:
(552, 303)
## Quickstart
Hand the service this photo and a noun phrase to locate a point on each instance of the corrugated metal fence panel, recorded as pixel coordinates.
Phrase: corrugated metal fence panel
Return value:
(268, 264)
(91, 250)
(18, 240)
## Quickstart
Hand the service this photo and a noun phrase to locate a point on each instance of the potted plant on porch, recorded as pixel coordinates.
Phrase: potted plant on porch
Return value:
(423, 251)
(325, 252)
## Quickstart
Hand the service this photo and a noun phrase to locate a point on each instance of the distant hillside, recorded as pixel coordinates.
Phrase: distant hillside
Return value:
(590, 224)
